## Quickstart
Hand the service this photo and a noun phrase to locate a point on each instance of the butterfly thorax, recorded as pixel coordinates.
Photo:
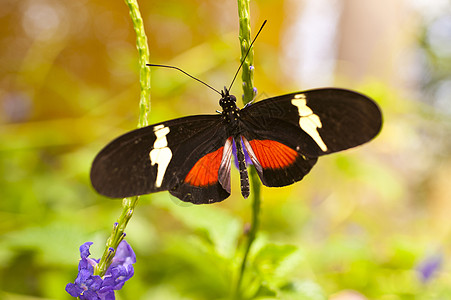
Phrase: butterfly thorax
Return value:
(230, 112)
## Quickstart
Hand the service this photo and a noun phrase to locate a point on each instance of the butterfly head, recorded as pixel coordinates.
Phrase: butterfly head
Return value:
(227, 101)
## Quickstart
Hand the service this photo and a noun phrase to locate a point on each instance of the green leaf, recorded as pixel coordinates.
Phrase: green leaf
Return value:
(54, 243)
(298, 290)
(305, 290)
(273, 263)
(222, 229)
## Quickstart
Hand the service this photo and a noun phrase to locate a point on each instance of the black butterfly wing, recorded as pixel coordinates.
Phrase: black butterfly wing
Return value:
(183, 156)
(284, 135)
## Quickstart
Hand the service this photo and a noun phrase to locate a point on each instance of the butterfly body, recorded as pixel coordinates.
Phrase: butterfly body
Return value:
(191, 156)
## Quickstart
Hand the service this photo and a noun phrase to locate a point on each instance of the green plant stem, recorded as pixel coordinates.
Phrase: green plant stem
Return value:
(248, 95)
(252, 233)
(247, 73)
(144, 58)
(117, 235)
(128, 204)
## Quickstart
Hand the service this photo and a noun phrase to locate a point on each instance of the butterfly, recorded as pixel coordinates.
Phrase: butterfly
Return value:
(191, 157)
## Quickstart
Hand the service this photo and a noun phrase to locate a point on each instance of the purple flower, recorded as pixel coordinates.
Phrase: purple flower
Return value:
(93, 287)
(429, 266)
(255, 90)
(246, 155)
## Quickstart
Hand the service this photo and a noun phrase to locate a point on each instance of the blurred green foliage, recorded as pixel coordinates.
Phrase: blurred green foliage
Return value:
(359, 225)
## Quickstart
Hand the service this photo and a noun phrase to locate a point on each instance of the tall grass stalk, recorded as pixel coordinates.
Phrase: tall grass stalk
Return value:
(248, 95)
(128, 204)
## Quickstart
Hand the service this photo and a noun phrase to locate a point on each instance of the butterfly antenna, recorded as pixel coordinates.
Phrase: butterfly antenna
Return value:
(172, 67)
(248, 50)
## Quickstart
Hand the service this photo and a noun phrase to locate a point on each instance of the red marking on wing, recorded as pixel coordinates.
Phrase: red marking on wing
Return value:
(272, 154)
(205, 171)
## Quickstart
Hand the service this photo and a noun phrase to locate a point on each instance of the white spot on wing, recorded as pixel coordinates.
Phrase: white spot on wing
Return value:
(308, 121)
(160, 154)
